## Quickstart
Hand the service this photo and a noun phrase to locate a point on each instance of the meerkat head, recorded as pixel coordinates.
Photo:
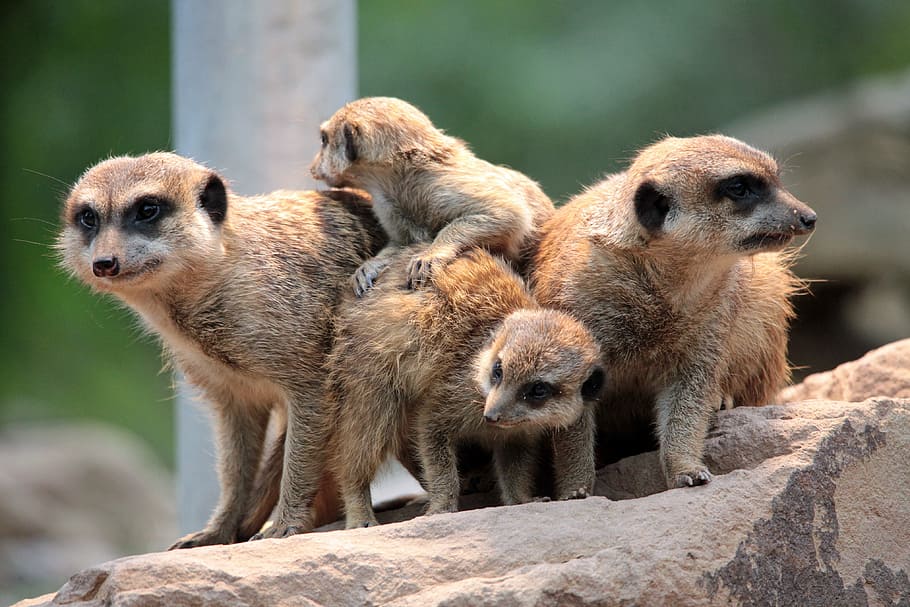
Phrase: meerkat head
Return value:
(136, 223)
(712, 195)
(538, 370)
(373, 134)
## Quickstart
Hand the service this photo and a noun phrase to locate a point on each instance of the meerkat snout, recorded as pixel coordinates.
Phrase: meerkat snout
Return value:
(106, 266)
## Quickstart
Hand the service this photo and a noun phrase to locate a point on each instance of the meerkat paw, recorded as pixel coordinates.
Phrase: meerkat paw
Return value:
(202, 538)
(691, 478)
(441, 508)
(576, 494)
(422, 266)
(277, 532)
(362, 280)
(361, 524)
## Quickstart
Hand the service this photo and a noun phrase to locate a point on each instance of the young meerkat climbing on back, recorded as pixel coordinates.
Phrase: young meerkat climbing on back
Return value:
(427, 187)
(470, 358)
(241, 291)
(676, 266)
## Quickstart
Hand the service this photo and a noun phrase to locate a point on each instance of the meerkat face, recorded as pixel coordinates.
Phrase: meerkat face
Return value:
(538, 371)
(135, 223)
(714, 195)
(371, 134)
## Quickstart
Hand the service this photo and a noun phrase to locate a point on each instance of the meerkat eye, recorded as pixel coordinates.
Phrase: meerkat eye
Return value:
(324, 137)
(496, 373)
(148, 211)
(738, 188)
(538, 391)
(87, 218)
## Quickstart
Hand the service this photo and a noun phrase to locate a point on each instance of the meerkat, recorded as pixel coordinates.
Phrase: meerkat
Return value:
(415, 373)
(678, 268)
(427, 187)
(241, 292)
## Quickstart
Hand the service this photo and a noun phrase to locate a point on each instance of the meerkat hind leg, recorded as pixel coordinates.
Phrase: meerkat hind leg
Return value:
(240, 434)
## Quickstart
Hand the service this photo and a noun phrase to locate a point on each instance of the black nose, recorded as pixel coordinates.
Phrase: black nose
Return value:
(491, 418)
(807, 221)
(106, 266)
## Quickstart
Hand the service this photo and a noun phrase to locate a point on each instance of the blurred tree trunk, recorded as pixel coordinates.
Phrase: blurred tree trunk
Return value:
(251, 83)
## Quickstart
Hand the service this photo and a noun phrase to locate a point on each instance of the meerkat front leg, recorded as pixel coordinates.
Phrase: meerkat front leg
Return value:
(304, 464)
(440, 466)
(499, 227)
(684, 413)
(573, 458)
(516, 467)
(239, 437)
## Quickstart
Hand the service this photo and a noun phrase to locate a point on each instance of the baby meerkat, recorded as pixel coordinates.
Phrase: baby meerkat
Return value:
(426, 187)
(676, 266)
(471, 358)
(241, 292)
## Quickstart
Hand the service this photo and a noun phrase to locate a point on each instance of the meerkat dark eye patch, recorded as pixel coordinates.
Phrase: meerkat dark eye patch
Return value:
(86, 218)
(148, 209)
(324, 138)
(537, 392)
(214, 199)
(350, 146)
(744, 190)
(591, 389)
(651, 206)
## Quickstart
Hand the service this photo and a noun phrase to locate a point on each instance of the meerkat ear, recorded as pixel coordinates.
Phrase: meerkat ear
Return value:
(350, 146)
(651, 206)
(593, 386)
(213, 198)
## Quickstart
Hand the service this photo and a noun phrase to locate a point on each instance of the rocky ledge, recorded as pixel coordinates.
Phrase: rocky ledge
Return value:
(810, 506)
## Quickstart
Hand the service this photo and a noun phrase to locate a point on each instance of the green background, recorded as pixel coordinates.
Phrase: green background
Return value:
(564, 91)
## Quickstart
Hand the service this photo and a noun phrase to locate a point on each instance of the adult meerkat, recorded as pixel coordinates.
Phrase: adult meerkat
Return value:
(426, 187)
(241, 292)
(470, 358)
(676, 267)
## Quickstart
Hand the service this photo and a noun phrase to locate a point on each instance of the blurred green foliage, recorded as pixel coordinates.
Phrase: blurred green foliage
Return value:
(564, 91)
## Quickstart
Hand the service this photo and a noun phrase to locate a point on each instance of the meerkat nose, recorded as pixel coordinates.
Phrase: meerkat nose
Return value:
(491, 417)
(807, 221)
(106, 266)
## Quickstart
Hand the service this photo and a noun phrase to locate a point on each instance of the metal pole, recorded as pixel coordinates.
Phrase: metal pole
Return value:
(251, 83)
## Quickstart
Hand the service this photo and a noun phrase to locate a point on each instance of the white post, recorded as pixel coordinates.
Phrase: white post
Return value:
(251, 81)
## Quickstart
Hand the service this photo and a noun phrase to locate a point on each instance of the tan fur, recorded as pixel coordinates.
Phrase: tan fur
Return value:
(410, 375)
(243, 303)
(689, 313)
(427, 187)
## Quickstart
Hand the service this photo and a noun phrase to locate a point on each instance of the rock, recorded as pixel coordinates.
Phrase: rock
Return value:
(809, 507)
(882, 372)
(74, 495)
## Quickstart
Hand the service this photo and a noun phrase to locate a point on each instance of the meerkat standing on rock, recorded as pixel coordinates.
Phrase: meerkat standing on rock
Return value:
(676, 267)
(471, 357)
(426, 187)
(241, 292)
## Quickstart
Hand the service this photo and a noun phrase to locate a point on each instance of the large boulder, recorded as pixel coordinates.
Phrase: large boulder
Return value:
(810, 506)
(72, 495)
(882, 372)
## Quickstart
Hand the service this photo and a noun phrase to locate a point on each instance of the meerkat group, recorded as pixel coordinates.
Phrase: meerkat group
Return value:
(478, 312)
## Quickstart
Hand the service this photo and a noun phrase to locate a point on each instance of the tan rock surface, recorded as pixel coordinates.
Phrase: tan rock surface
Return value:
(882, 372)
(811, 507)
